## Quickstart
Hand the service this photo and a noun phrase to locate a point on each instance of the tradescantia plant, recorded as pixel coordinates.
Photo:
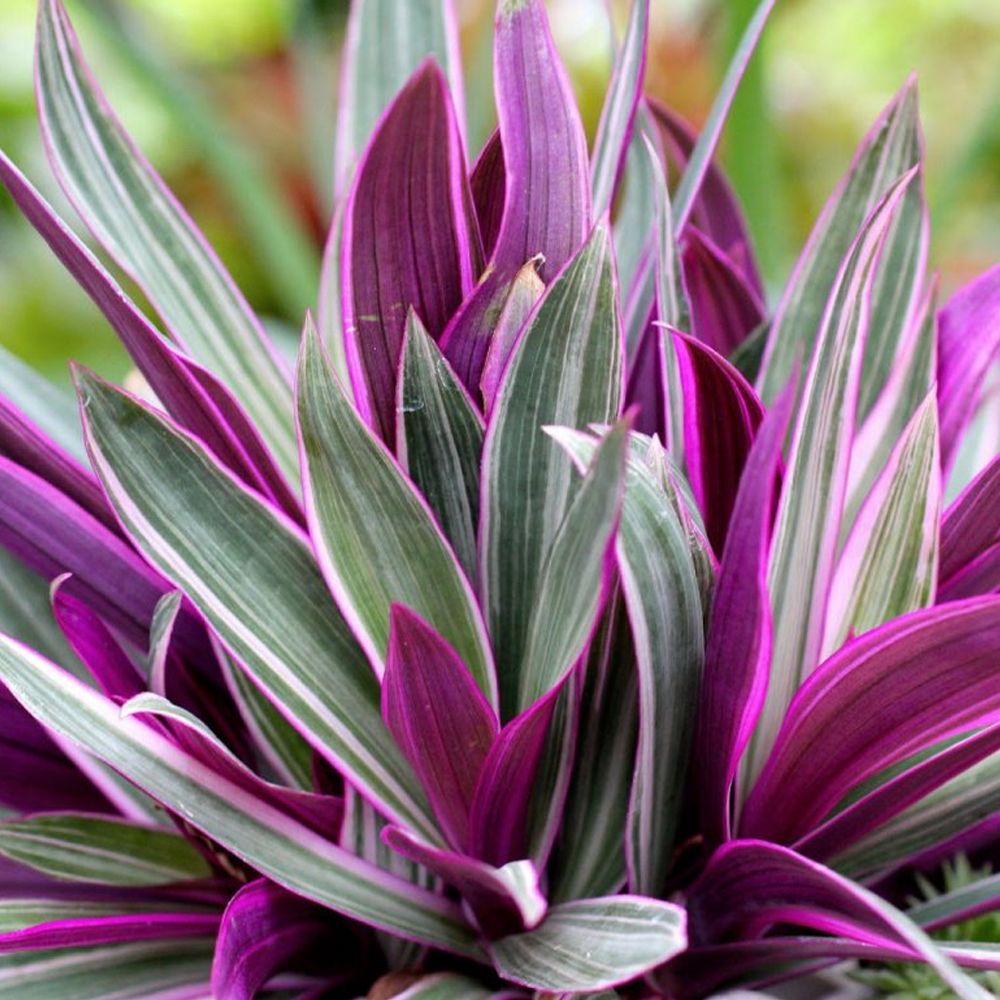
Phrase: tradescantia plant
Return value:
(568, 621)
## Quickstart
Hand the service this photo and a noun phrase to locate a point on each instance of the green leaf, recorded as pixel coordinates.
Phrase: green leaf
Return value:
(265, 213)
(385, 43)
(444, 986)
(889, 564)
(19, 914)
(375, 537)
(84, 848)
(116, 972)
(911, 380)
(808, 522)
(591, 944)
(664, 603)
(589, 856)
(361, 834)
(708, 139)
(957, 805)
(440, 440)
(128, 208)
(274, 737)
(575, 577)
(52, 410)
(618, 113)
(566, 370)
(252, 574)
(26, 613)
(268, 840)
(891, 149)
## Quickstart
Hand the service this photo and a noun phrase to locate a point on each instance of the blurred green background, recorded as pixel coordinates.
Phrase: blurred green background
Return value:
(263, 74)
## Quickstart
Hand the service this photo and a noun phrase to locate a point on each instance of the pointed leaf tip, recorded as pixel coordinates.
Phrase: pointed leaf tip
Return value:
(438, 717)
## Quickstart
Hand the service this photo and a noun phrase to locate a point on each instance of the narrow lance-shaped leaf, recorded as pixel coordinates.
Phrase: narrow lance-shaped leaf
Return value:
(385, 44)
(512, 778)
(635, 212)
(52, 536)
(440, 441)
(668, 309)
(547, 179)
(408, 240)
(566, 370)
(321, 813)
(525, 292)
(716, 210)
(143, 970)
(504, 900)
(968, 343)
(263, 209)
(960, 811)
(376, 540)
(912, 378)
(268, 840)
(194, 397)
(905, 685)
(361, 834)
(105, 850)
(725, 308)
(701, 156)
(274, 738)
(614, 133)
(808, 524)
(721, 417)
(889, 564)
(253, 576)
(127, 206)
(665, 613)
(575, 579)
(836, 837)
(890, 149)
(588, 858)
(438, 717)
(738, 641)
(749, 886)
(53, 411)
(266, 930)
(591, 944)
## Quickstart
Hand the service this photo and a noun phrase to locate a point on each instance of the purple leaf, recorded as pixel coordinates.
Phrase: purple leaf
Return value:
(547, 176)
(24, 443)
(968, 342)
(320, 813)
(408, 239)
(738, 640)
(621, 104)
(88, 932)
(438, 716)
(498, 831)
(503, 900)
(489, 189)
(721, 416)
(36, 776)
(196, 399)
(52, 536)
(970, 531)
(903, 686)
(725, 308)
(751, 886)
(266, 930)
(646, 391)
(523, 295)
(891, 798)
(94, 644)
(716, 211)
